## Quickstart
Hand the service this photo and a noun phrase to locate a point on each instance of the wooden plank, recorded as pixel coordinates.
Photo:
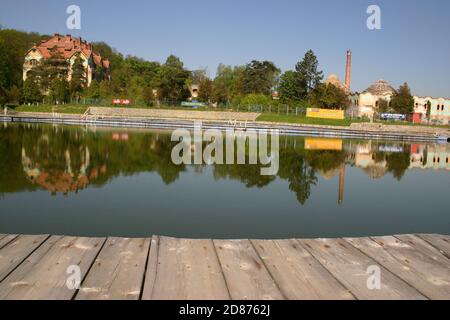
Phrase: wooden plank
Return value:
(440, 242)
(152, 269)
(16, 251)
(118, 271)
(245, 273)
(405, 267)
(186, 270)
(43, 274)
(423, 260)
(424, 247)
(298, 274)
(7, 239)
(350, 266)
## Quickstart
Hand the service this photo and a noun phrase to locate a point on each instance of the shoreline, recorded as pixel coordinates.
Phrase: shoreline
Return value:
(355, 131)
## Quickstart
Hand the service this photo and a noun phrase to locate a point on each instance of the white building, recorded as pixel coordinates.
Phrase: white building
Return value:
(369, 99)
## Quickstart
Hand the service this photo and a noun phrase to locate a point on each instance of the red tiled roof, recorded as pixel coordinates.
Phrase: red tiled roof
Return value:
(67, 46)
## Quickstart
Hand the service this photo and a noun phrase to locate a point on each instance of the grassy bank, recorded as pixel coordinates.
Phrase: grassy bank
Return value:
(269, 117)
(68, 108)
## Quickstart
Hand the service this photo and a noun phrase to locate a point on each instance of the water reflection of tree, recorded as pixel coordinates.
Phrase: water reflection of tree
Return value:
(300, 175)
(398, 164)
(48, 149)
(250, 175)
(67, 159)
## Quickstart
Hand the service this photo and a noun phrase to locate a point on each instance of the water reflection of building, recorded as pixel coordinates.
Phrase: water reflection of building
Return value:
(329, 144)
(371, 156)
(377, 158)
(434, 157)
(70, 178)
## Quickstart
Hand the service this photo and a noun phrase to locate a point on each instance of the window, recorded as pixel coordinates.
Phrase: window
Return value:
(438, 107)
(442, 107)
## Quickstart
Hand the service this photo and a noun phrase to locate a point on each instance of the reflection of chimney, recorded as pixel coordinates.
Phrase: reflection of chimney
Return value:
(348, 72)
(341, 184)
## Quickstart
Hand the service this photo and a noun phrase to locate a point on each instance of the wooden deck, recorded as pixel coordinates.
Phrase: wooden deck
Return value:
(412, 267)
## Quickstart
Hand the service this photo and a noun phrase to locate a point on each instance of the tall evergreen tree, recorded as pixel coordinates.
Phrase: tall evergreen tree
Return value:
(78, 80)
(308, 74)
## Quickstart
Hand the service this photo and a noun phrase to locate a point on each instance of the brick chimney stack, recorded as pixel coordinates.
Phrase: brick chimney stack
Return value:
(348, 72)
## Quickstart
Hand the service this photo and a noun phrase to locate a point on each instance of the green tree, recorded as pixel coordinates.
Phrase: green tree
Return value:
(398, 164)
(93, 91)
(78, 80)
(173, 80)
(260, 77)
(50, 70)
(328, 96)
(224, 84)
(3, 96)
(5, 70)
(14, 45)
(104, 89)
(403, 102)
(14, 94)
(205, 88)
(308, 74)
(31, 92)
(288, 87)
(59, 91)
(383, 106)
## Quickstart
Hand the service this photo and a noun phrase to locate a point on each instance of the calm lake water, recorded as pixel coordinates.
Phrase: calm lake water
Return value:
(121, 182)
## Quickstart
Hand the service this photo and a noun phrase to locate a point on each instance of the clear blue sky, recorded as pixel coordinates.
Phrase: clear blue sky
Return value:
(412, 46)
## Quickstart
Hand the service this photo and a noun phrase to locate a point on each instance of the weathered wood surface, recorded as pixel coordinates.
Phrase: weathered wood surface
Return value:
(39, 267)
(298, 274)
(442, 243)
(43, 275)
(351, 267)
(16, 250)
(118, 271)
(185, 270)
(245, 273)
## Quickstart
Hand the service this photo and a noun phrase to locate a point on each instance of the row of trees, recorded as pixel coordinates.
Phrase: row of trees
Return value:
(146, 82)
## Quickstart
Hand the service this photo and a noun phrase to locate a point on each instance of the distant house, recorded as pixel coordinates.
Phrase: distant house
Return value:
(439, 108)
(68, 48)
(369, 99)
(334, 80)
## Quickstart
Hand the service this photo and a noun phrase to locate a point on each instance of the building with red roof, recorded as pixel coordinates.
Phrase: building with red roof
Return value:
(68, 48)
